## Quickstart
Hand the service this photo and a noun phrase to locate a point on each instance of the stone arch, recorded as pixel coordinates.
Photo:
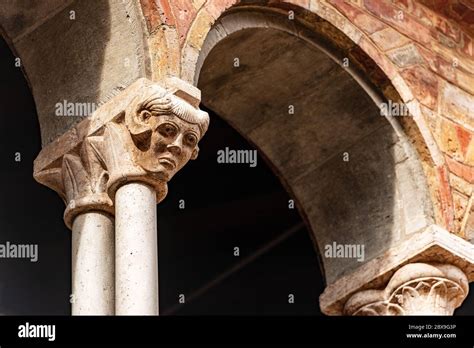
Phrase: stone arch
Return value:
(387, 79)
(295, 175)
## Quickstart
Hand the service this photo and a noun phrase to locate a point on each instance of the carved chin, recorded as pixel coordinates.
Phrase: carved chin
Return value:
(161, 169)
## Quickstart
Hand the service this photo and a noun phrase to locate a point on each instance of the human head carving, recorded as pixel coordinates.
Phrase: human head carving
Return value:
(166, 130)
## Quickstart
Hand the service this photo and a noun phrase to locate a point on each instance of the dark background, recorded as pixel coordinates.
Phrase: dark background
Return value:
(226, 206)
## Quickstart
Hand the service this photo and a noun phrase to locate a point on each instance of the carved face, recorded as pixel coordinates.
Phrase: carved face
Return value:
(173, 143)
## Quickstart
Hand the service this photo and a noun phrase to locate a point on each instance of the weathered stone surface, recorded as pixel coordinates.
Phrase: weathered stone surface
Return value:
(469, 159)
(18, 18)
(449, 142)
(157, 13)
(362, 20)
(460, 203)
(467, 228)
(87, 56)
(388, 39)
(146, 134)
(200, 29)
(358, 201)
(467, 47)
(216, 8)
(379, 58)
(402, 21)
(424, 85)
(415, 289)
(461, 185)
(165, 53)
(434, 245)
(457, 105)
(464, 171)
(406, 56)
(184, 13)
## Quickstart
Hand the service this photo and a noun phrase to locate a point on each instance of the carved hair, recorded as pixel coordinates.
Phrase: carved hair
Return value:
(164, 103)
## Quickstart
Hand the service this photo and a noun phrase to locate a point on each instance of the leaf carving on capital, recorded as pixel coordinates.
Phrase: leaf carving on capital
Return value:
(379, 308)
(429, 295)
(415, 289)
(85, 177)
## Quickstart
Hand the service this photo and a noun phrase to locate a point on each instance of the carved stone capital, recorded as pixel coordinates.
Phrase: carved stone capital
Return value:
(433, 245)
(415, 289)
(147, 133)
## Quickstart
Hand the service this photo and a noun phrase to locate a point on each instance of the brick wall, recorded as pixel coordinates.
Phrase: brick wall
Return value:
(423, 47)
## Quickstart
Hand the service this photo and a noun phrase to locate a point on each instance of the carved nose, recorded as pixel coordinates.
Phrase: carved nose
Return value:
(175, 146)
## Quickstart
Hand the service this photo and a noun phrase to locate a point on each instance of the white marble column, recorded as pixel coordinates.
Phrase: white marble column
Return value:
(93, 264)
(136, 260)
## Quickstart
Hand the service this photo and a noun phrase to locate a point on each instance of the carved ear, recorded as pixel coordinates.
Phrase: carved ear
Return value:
(136, 118)
(138, 114)
(195, 153)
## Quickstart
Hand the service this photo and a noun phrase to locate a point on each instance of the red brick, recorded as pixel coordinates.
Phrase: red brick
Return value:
(378, 57)
(409, 26)
(458, 11)
(424, 85)
(216, 8)
(362, 20)
(439, 22)
(405, 4)
(439, 65)
(157, 12)
(462, 10)
(467, 45)
(464, 137)
(446, 198)
(463, 171)
(184, 13)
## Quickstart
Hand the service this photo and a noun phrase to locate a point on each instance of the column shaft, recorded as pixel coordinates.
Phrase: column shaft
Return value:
(93, 264)
(136, 258)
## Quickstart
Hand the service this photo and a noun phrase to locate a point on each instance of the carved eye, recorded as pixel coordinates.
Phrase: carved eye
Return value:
(167, 130)
(145, 115)
(190, 139)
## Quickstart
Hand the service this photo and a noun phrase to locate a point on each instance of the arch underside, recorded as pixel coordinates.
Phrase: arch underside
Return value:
(76, 55)
(355, 177)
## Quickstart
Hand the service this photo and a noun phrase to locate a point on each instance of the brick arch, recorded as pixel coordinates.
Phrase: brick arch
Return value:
(398, 37)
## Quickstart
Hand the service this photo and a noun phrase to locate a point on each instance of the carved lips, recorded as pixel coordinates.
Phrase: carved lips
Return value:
(167, 162)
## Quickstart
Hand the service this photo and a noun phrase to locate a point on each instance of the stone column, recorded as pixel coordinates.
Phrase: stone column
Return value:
(89, 214)
(137, 250)
(93, 264)
(125, 153)
(415, 289)
(157, 134)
